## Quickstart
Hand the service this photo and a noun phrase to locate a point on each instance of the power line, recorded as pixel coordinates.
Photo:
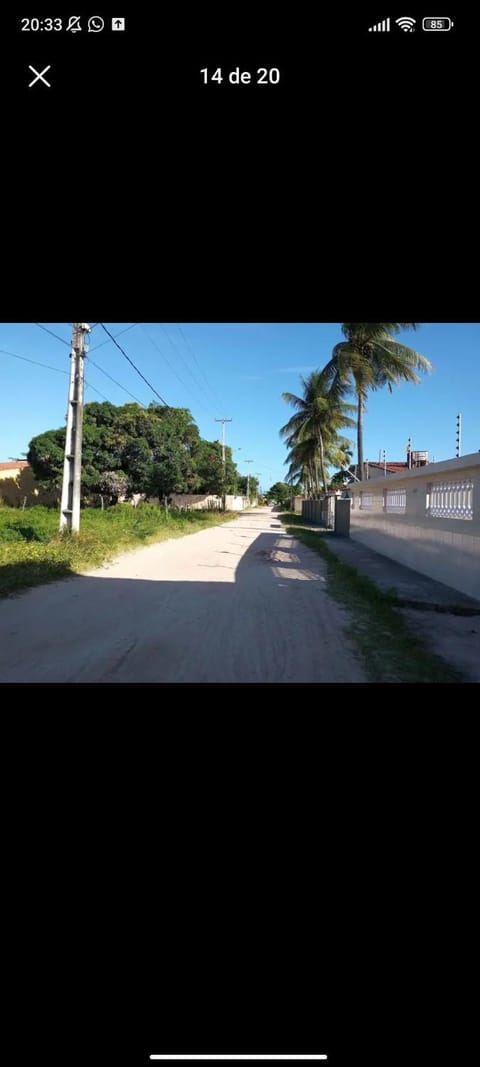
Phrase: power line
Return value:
(172, 368)
(47, 366)
(107, 375)
(196, 383)
(215, 397)
(52, 334)
(150, 386)
(95, 390)
(35, 361)
(119, 334)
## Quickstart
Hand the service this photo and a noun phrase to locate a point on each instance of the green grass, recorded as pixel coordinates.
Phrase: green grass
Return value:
(390, 651)
(32, 550)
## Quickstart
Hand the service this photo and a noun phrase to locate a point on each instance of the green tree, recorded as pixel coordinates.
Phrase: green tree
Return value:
(207, 458)
(128, 439)
(158, 449)
(372, 358)
(45, 455)
(320, 413)
(136, 460)
(302, 459)
(165, 475)
(281, 493)
(250, 483)
(304, 465)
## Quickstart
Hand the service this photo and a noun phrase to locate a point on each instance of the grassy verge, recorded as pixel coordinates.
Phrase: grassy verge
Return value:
(32, 551)
(389, 650)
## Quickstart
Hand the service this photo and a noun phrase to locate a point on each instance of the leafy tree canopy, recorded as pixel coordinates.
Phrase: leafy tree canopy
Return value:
(157, 450)
(280, 492)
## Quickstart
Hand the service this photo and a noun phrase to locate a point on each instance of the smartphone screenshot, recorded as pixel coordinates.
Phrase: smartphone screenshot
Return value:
(239, 535)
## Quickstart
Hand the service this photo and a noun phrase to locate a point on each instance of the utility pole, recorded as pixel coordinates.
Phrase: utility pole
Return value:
(239, 449)
(248, 478)
(459, 436)
(258, 474)
(223, 421)
(72, 466)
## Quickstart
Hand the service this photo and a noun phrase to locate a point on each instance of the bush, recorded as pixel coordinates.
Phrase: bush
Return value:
(33, 524)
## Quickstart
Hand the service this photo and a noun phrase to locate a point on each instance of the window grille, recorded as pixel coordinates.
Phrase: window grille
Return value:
(450, 500)
(395, 499)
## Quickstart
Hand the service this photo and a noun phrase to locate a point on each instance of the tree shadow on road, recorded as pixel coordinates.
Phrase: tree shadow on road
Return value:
(261, 622)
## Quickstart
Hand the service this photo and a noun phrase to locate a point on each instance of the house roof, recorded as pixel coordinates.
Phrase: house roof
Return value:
(392, 468)
(14, 465)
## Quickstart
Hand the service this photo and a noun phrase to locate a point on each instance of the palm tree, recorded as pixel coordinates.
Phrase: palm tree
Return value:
(303, 465)
(373, 358)
(303, 460)
(320, 413)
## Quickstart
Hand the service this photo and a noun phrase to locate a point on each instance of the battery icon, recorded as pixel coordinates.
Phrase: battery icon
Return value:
(437, 24)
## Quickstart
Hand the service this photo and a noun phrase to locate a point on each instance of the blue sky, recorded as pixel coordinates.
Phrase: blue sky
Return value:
(239, 370)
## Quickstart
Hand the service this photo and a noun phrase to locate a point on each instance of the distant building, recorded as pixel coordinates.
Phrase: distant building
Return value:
(18, 486)
(383, 468)
(13, 465)
(380, 470)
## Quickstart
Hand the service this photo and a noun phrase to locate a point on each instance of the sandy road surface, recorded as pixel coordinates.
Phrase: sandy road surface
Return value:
(243, 602)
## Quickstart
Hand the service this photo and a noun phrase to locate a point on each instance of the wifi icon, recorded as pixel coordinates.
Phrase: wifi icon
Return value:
(406, 24)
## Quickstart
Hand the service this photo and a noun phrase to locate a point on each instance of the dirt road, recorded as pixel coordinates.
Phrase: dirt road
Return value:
(242, 602)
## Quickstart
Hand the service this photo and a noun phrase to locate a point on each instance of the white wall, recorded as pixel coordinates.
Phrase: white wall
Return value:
(202, 501)
(444, 546)
(235, 503)
(195, 501)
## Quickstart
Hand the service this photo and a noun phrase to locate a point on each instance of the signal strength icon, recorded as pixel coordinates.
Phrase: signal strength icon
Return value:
(406, 24)
(381, 27)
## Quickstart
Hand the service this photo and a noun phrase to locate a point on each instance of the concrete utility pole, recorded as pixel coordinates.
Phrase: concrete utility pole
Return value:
(72, 466)
(248, 478)
(239, 449)
(223, 421)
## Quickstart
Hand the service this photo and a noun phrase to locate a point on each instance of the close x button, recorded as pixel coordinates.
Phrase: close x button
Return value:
(39, 76)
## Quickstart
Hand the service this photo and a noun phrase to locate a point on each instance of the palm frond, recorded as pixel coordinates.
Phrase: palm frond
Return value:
(403, 356)
(291, 398)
